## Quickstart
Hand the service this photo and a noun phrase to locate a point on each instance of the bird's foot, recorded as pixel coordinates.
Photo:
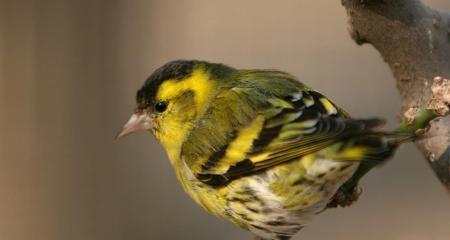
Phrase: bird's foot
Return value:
(343, 198)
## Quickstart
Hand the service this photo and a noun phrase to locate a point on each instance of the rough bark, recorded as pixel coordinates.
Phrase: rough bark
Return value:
(414, 40)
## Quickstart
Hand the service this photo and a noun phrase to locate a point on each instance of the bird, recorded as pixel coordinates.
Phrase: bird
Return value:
(256, 146)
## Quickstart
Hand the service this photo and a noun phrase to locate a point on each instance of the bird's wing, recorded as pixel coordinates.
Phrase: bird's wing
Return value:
(283, 126)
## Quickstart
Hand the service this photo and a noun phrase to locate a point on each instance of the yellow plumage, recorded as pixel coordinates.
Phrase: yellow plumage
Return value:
(256, 147)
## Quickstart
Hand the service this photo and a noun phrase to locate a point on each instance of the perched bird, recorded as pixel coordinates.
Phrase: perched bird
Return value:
(257, 147)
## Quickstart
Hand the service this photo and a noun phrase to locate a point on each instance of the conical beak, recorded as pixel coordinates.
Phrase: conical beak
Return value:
(137, 122)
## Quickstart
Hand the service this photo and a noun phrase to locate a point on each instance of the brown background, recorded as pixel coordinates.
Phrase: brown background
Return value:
(68, 75)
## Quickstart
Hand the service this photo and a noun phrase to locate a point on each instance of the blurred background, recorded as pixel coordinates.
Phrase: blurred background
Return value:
(69, 70)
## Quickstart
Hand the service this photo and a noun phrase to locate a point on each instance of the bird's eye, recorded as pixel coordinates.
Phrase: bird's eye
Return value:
(161, 106)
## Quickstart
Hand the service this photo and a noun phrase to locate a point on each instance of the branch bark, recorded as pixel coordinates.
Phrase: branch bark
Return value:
(414, 40)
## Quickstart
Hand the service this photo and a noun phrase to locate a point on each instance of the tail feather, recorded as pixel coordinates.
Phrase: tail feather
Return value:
(379, 146)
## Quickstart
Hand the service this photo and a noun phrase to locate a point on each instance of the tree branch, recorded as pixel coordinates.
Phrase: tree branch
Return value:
(414, 41)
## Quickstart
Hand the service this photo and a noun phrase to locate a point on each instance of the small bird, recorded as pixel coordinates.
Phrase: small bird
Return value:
(258, 147)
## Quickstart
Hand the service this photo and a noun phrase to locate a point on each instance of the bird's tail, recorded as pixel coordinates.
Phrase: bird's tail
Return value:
(408, 131)
(379, 146)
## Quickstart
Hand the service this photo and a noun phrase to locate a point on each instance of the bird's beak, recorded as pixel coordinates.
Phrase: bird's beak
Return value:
(137, 122)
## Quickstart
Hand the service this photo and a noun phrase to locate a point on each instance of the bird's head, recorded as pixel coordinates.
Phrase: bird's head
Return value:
(174, 97)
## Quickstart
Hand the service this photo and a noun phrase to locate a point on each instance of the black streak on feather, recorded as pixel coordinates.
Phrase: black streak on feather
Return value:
(266, 135)
(215, 158)
(218, 155)
(317, 103)
(213, 179)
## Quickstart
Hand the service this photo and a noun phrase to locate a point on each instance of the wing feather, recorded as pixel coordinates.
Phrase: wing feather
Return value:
(295, 122)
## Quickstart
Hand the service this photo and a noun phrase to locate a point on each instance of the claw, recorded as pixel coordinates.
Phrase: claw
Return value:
(344, 199)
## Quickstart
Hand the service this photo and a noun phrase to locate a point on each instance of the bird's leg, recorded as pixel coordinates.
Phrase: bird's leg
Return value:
(344, 198)
(349, 192)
